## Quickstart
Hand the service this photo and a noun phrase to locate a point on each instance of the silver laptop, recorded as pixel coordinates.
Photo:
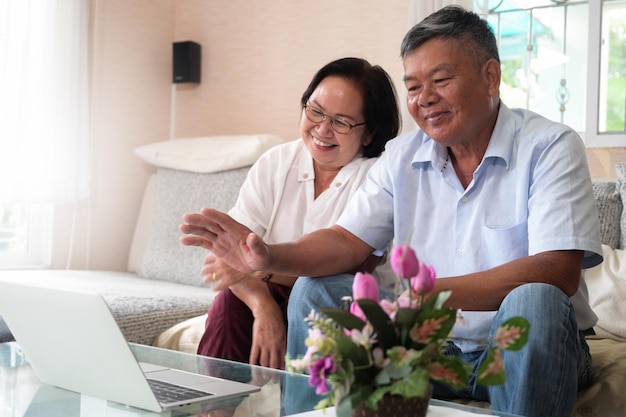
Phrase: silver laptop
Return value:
(72, 341)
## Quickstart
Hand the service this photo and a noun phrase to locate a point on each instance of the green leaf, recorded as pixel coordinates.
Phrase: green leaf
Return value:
(512, 326)
(405, 319)
(357, 396)
(451, 370)
(372, 400)
(416, 384)
(343, 318)
(492, 371)
(344, 408)
(445, 317)
(349, 350)
(437, 302)
(394, 371)
(385, 329)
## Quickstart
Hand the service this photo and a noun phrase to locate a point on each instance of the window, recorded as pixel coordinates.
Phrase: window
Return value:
(44, 135)
(565, 59)
(606, 119)
(25, 234)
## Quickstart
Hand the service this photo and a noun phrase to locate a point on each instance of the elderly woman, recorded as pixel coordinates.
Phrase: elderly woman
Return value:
(349, 112)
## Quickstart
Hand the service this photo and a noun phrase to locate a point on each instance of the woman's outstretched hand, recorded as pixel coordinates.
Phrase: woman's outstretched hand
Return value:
(230, 241)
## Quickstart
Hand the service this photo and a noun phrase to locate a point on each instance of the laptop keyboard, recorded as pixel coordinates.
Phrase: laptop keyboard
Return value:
(170, 393)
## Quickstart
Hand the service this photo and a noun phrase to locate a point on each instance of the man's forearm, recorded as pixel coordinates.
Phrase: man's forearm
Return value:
(323, 252)
(485, 290)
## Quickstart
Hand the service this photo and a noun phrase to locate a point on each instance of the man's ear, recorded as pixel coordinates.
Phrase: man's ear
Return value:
(492, 73)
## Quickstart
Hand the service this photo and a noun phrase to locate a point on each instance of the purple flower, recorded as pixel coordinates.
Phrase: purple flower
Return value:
(424, 281)
(404, 261)
(319, 370)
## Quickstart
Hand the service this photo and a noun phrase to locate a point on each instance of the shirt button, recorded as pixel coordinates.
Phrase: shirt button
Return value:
(337, 184)
(464, 199)
(305, 176)
(461, 249)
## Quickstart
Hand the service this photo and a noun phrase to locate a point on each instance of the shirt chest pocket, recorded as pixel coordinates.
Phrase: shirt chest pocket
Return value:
(503, 245)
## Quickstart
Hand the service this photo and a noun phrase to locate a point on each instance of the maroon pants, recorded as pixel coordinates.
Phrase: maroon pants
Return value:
(228, 328)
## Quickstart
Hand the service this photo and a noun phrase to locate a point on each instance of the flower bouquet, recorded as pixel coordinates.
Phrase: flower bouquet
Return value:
(394, 347)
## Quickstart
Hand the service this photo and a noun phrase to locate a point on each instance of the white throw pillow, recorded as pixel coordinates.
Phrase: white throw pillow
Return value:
(209, 153)
(607, 291)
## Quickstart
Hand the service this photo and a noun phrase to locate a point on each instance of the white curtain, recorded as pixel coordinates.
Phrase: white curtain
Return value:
(44, 112)
(418, 10)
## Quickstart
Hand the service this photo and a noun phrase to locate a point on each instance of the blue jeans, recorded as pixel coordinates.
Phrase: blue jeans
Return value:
(542, 378)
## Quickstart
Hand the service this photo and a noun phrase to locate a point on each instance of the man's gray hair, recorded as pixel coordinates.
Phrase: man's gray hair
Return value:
(454, 22)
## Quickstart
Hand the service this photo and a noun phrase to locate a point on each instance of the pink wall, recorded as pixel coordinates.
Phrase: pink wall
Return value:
(258, 57)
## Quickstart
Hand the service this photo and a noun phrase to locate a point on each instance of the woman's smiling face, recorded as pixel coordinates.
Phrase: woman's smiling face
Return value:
(337, 98)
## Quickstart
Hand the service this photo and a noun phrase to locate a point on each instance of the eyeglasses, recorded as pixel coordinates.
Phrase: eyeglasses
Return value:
(338, 125)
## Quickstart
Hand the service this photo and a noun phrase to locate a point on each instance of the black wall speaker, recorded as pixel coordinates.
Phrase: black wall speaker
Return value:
(187, 62)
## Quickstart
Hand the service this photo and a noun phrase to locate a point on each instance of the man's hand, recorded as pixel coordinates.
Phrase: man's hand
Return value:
(232, 242)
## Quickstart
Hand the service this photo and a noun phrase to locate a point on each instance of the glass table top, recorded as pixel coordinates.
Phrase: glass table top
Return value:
(281, 394)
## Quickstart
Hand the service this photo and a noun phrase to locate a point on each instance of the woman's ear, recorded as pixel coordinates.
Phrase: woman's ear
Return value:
(369, 138)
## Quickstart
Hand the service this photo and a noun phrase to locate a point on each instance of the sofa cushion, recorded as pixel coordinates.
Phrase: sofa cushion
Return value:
(208, 153)
(180, 192)
(620, 172)
(184, 336)
(607, 290)
(609, 203)
(605, 397)
(143, 225)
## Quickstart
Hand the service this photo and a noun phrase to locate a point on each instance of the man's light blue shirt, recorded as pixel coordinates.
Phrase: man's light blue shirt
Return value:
(531, 193)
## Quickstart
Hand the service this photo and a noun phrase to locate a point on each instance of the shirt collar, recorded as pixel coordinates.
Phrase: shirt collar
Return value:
(500, 145)
(503, 137)
(307, 173)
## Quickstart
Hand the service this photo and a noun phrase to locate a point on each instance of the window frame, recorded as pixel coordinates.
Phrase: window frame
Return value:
(592, 137)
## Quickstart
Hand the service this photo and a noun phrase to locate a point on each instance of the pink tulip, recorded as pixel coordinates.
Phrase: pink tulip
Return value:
(364, 286)
(404, 261)
(424, 281)
(355, 310)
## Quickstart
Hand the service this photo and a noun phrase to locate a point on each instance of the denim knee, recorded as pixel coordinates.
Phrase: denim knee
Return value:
(299, 295)
(540, 303)
(310, 294)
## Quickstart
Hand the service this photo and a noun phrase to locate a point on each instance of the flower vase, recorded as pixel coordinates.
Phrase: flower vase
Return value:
(394, 406)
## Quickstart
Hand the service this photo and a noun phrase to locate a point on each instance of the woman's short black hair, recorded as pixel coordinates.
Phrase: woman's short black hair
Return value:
(379, 98)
